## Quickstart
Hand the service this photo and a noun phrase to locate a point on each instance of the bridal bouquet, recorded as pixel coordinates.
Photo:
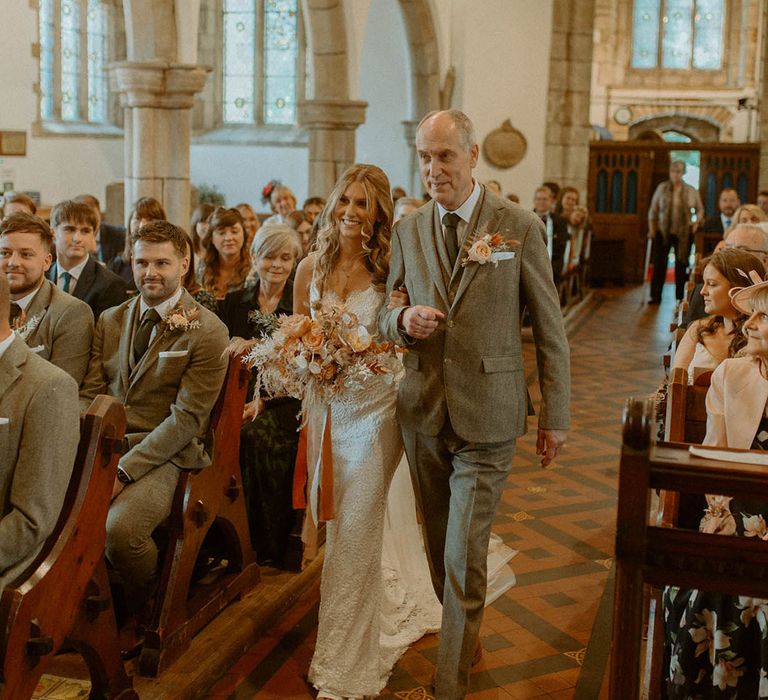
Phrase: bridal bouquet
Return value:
(317, 359)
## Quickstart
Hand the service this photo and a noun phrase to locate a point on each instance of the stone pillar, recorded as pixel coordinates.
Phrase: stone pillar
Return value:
(566, 158)
(331, 124)
(415, 186)
(158, 97)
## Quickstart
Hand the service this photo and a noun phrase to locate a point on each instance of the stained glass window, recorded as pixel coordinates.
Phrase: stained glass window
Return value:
(74, 36)
(261, 52)
(678, 34)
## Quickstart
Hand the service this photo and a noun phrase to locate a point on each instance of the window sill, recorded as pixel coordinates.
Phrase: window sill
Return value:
(75, 129)
(247, 135)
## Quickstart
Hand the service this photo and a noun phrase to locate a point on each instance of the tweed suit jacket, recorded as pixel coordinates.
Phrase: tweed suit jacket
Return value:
(98, 287)
(64, 332)
(169, 394)
(471, 367)
(39, 432)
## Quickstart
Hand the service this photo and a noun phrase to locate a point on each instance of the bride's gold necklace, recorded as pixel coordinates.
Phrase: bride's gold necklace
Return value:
(347, 272)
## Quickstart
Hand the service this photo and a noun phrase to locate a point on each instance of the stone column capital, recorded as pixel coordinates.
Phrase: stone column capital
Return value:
(336, 114)
(157, 84)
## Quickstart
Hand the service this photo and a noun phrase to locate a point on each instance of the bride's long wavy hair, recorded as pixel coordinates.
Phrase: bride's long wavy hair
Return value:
(377, 229)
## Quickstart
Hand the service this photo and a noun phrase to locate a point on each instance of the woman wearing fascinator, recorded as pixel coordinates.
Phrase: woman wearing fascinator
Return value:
(717, 645)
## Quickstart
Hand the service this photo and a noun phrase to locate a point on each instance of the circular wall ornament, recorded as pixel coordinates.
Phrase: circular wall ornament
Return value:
(623, 115)
(505, 146)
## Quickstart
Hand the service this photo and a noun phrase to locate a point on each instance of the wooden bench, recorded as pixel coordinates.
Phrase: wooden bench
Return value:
(660, 556)
(212, 496)
(64, 596)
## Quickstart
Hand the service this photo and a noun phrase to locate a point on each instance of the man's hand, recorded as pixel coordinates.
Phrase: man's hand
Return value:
(117, 488)
(548, 444)
(252, 409)
(421, 321)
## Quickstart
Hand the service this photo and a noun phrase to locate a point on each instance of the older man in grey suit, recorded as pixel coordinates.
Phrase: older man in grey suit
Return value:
(55, 325)
(39, 429)
(463, 400)
(160, 354)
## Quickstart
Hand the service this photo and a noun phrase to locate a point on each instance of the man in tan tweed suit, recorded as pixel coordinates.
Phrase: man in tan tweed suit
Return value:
(463, 400)
(54, 324)
(39, 430)
(160, 354)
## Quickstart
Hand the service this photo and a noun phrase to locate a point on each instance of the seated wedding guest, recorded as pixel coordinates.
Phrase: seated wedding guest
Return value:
(199, 225)
(567, 200)
(762, 200)
(298, 221)
(269, 434)
(729, 630)
(75, 270)
(250, 220)
(17, 202)
(494, 186)
(312, 208)
(556, 229)
(145, 210)
(398, 192)
(55, 325)
(283, 202)
(746, 214)
(710, 340)
(225, 261)
(728, 203)
(110, 240)
(194, 288)
(747, 237)
(168, 377)
(405, 206)
(578, 224)
(39, 431)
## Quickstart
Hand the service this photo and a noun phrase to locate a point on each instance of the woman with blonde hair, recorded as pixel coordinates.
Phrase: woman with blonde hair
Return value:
(746, 214)
(226, 261)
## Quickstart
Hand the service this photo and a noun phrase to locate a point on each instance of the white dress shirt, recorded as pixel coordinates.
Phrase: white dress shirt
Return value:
(74, 275)
(726, 221)
(464, 212)
(6, 343)
(24, 302)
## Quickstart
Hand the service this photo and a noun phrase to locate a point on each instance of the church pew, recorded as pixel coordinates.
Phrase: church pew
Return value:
(660, 556)
(202, 499)
(64, 599)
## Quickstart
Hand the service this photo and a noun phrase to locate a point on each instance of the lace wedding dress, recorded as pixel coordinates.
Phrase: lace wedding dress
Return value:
(376, 595)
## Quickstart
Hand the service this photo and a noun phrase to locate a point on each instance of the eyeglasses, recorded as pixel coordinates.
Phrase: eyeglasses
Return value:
(746, 250)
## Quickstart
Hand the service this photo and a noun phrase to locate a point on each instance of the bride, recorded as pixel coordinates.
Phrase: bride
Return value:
(376, 596)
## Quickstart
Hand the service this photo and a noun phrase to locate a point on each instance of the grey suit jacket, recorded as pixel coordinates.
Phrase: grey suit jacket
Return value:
(471, 368)
(64, 329)
(168, 396)
(39, 432)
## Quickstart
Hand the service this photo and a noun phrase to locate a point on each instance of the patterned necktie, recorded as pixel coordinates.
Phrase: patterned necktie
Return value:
(141, 340)
(66, 277)
(450, 223)
(15, 313)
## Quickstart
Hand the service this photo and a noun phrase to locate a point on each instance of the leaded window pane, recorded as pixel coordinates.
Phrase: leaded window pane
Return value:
(281, 48)
(70, 60)
(47, 47)
(239, 61)
(97, 59)
(708, 35)
(677, 34)
(645, 33)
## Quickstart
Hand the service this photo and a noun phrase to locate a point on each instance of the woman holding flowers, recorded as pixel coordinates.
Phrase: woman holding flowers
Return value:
(717, 645)
(347, 273)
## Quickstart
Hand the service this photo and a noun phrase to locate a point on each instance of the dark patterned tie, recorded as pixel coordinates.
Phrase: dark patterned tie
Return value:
(450, 223)
(66, 277)
(141, 340)
(15, 313)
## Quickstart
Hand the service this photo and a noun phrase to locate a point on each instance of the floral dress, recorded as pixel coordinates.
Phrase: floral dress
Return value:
(716, 644)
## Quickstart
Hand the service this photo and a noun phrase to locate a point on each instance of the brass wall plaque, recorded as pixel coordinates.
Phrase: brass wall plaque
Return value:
(505, 146)
(13, 143)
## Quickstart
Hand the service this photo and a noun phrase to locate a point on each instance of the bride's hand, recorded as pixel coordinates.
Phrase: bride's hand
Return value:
(252, 409)
(398, 298)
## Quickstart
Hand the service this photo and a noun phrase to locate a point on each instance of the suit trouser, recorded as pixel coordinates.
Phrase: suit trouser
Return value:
(661, 249)
(458, 485)
(133, 517)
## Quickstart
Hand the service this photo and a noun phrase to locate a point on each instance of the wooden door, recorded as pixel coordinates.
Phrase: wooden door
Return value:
(728, 165)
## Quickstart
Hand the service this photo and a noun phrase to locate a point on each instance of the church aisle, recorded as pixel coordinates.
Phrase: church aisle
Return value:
(549, 636)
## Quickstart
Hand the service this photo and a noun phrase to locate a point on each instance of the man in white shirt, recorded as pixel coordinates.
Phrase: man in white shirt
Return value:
(57, 327)
(76, 270)
(39, 431)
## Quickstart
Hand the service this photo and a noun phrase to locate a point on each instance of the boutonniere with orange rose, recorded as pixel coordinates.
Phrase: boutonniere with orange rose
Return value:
(490, 247)
(317, 358)
(180, 320)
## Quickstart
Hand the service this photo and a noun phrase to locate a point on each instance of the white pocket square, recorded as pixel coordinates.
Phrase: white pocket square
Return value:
(38, 348)
(503, 255)
(5, 421)
(173, 353)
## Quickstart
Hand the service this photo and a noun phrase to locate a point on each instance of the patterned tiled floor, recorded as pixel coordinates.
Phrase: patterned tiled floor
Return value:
(549, 636)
